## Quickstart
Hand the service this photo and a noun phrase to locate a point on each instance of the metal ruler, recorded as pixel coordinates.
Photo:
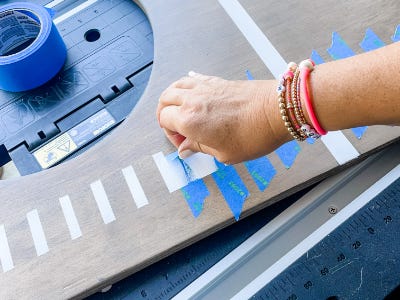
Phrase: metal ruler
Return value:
(341, 240)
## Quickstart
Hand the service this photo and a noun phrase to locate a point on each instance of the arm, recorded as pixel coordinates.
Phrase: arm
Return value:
(239, 120)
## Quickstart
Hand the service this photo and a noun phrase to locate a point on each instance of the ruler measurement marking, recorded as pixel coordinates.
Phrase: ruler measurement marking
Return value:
(289, 279)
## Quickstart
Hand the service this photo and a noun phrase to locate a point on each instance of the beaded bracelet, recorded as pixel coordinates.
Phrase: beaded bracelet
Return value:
(285, 106)
(306, 67)
(289, 92)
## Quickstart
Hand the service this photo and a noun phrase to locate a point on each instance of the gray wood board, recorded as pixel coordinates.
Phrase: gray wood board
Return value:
(189, 35)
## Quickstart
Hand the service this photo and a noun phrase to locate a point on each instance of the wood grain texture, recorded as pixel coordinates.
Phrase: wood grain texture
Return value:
(189, 35)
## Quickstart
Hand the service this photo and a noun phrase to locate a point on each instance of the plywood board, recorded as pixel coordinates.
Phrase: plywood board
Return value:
(116, 237)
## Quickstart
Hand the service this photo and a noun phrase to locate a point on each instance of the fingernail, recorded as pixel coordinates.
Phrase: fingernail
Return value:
(185, 154)
(192, 73)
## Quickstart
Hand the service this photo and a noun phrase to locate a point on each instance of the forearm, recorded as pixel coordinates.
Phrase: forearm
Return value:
(361, 90)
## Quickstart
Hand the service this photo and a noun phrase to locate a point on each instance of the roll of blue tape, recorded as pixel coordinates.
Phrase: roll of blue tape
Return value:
(31, 49)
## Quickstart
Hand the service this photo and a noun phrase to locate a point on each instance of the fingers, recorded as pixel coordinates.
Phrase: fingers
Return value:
(189, 147)
(175, 138)
(199, 76)
(171, 96)
(170, 118)
(184, 83)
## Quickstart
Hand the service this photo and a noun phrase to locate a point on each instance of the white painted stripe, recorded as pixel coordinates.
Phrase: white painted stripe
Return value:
(74, 11)
(70, 217)
(5, 254)
(102, 202)
(135, 187)
(39, 239)
(53, 3)
(315, 237)
(171, 171)
(174, 174)
(257, 39)
(338, 145)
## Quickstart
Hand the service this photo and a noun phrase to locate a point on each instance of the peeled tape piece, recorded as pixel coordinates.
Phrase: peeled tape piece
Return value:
(31, 49)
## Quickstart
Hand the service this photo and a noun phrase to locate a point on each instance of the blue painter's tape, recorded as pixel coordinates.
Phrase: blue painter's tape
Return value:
(310, 141)
(315, 57)
(371, 41)
(359, 131)
(195, 194)
(249, 75)
(186, 168)
(172, 156)
(262, 171)
(396, 36)
(232, 188)
(31, 60)
(339, 49)
(288, 153)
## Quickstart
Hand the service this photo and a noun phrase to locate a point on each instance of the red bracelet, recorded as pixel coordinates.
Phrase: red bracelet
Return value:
(306, 67)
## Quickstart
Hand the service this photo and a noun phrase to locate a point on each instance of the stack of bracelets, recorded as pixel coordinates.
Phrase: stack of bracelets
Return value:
(293, 83)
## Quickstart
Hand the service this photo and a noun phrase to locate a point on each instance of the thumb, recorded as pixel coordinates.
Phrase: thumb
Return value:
(189, 147)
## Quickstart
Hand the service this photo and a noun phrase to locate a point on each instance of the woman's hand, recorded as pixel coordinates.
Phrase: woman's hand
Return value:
(233, 121)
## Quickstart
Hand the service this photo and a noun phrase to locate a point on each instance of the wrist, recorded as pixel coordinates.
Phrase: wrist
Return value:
(280, 134)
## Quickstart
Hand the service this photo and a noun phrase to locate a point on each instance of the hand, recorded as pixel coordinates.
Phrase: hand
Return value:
(233, 121)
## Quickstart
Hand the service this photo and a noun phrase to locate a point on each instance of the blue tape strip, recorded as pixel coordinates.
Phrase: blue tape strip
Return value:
(38, 62)
(262, 171)
(310, 141)
(249, 75)
(339, 48)
(359, 131)
(371, 41)
(232, 188)
(288, 153)
(396, 36)
(186, 168)
(316, 57)
(195, 194)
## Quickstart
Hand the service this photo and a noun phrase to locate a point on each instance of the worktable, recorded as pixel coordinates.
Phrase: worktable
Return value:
(188, 35)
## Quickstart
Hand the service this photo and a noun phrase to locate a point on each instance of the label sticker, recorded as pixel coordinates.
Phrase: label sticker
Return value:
(70, 141)
(55, 151)
(17, 31)
(92, 127)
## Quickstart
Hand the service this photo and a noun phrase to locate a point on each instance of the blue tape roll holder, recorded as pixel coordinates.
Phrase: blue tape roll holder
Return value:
(31, 49)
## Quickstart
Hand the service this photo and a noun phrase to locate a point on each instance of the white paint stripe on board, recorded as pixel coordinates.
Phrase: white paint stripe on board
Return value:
(53, 3)
(5, 254)
(70, 217)
(102, 202)
(257, 39)
(73, 11)
(338, 145)
(171, 171)
(289, 258)
(135, 187)
(174, 174)
(39, 239)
